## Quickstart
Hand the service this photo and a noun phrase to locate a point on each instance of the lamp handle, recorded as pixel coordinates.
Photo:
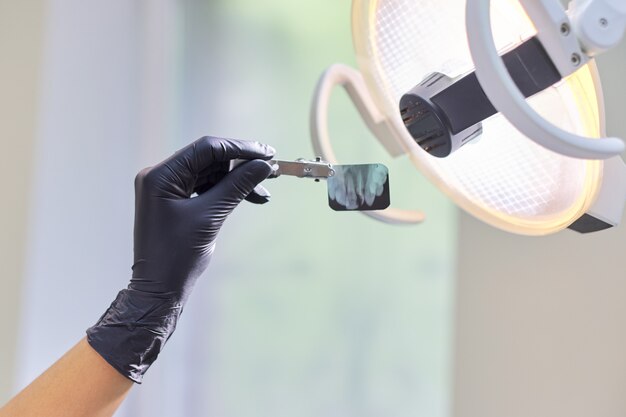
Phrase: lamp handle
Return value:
(354, 84)
(508, 100)
(599, 24)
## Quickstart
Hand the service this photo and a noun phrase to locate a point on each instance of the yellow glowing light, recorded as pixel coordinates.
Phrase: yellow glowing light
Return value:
(504, 178)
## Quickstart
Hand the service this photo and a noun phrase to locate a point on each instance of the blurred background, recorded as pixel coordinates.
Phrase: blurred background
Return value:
(304, 311)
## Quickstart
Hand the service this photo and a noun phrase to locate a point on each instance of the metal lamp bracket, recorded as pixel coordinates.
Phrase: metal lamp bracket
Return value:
(551, 21)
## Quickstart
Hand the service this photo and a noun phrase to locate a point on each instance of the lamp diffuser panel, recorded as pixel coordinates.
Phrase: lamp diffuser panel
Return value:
(502, 177)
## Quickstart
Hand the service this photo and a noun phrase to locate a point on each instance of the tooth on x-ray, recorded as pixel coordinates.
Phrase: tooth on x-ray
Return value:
(359, 187)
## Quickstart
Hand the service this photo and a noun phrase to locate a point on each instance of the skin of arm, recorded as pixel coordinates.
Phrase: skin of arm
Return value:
(80, 384)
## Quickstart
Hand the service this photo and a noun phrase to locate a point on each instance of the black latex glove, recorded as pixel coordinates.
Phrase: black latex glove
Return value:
(174, 240)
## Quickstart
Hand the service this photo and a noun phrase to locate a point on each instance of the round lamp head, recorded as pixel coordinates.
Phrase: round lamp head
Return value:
(501, 176)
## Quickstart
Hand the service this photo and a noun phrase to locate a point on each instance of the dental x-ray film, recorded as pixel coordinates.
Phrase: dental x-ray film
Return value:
(359, 187)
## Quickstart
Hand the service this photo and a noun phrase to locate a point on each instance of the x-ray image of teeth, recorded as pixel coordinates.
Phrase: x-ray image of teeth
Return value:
(359, 187)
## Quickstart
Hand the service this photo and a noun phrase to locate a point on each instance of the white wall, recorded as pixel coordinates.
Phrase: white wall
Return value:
(541, 322)
(102, 115)
(20, 56)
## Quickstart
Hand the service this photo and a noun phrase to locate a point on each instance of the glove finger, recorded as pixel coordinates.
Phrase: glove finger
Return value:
(209, 150)
(234, 187)
(179, 172)
(259, 195)
(208, 178)
(211, 176)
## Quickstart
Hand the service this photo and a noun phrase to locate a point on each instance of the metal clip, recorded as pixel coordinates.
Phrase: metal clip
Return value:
(303, 168)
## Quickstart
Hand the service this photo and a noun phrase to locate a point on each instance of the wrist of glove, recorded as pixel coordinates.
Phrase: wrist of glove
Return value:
(133, 330)
(175, 237)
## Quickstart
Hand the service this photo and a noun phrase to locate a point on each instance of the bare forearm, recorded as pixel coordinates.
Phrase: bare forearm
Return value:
(80, 384)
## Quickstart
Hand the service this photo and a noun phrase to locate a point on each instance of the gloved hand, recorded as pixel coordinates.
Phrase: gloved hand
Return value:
(174, 240)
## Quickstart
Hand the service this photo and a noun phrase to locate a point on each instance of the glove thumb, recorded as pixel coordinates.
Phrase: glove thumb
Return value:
(235, 186)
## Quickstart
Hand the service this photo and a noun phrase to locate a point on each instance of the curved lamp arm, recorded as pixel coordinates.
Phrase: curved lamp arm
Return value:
(352, 81)
(507, 99)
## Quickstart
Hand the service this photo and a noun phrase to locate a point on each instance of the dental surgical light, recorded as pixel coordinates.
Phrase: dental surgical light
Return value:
(498, 103)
